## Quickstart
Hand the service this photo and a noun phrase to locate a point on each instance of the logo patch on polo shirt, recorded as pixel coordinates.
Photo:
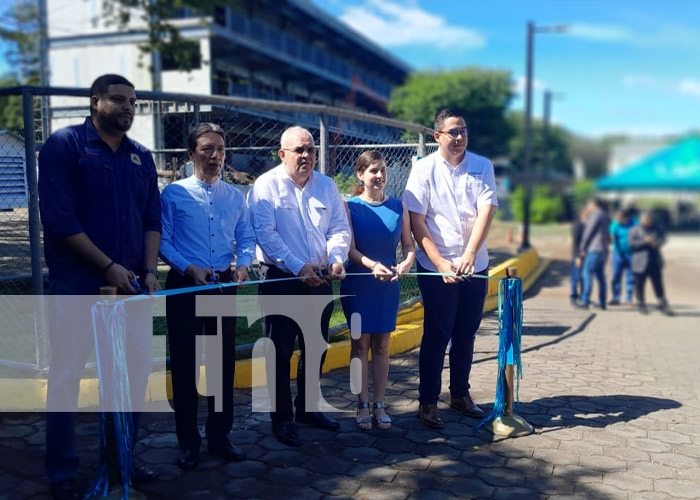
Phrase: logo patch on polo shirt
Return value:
(135, 158)
(92, 151)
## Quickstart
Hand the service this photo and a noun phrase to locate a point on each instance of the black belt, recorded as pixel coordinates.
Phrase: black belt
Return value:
(274, 272)
(225, 275)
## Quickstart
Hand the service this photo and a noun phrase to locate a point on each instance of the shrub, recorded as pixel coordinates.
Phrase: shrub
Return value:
(545, 206)
(344, 182)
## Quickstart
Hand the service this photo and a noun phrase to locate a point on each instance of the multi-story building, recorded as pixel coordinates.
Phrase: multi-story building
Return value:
(275, 49)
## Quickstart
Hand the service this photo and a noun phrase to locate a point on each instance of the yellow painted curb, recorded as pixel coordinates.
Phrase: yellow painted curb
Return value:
(26, 394)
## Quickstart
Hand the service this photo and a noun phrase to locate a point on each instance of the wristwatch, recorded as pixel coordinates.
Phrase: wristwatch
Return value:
(149, 270)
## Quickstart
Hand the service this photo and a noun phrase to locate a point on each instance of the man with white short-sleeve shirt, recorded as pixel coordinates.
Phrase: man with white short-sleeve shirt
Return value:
(451, 199)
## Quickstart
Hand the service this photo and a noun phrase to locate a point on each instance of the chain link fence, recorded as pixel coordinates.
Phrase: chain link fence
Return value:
(253, 128)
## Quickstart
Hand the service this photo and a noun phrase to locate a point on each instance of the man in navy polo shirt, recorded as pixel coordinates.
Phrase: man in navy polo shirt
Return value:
(100, 208)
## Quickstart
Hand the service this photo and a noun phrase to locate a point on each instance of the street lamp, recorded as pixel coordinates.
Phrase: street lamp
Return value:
(531, 30)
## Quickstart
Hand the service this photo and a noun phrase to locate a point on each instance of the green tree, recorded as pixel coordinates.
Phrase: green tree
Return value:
(163, 36)
(581, 192)
(482, 95)
(545, 206)
(21, 33)
(11, 107)
(559, 155)
(344, 182)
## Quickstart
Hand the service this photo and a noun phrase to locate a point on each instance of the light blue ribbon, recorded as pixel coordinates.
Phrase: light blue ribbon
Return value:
(510, 324)
(112, 318)
(114, 323)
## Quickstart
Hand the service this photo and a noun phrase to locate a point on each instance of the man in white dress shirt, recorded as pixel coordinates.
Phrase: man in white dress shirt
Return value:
(451, 199)
(203, 217)
(302, 230)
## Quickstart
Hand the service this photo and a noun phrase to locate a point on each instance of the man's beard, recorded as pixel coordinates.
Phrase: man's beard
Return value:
(115, 122)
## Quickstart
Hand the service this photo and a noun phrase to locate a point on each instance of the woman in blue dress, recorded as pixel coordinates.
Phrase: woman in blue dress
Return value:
(378, 223)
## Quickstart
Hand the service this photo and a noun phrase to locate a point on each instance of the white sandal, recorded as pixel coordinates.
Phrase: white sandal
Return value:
(383, 422)
(363, 423)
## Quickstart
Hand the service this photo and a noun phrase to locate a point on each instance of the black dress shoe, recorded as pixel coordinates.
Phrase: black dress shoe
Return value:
(188, 459)
(227, 451)
(140, 474)
(429, 415)
(318, 420)
(65, 489)
(466, 406)
(286, 433)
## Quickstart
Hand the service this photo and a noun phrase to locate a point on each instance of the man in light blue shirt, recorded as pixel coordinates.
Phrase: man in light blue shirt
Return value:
(203, 217)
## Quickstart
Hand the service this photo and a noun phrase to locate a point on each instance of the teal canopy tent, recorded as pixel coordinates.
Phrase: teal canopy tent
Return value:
(674, 167)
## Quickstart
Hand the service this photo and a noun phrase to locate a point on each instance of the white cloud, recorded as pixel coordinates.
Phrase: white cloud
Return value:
(519, 85)
(643, 81)
(689, 86)
(666, 35)
(685, 86)
(395, 23)
(599, 32)
(670, 35)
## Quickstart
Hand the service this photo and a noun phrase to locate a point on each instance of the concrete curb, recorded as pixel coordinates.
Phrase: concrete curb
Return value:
(30, 394)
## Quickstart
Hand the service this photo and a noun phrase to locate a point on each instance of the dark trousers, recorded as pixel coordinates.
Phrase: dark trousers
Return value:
(576, 280)
(451, 312)
(640, 279)
(72, 341)
(284, 331)
(61, 458)
(183, 327)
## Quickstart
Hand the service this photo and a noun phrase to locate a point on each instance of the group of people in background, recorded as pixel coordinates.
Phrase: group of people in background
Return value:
(105, 223)
(636, 256)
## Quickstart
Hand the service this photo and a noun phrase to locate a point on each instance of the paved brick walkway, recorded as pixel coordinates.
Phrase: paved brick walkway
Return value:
(613, 395)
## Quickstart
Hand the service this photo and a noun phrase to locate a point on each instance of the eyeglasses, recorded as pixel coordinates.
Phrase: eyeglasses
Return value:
(455, 132)
(311, 150)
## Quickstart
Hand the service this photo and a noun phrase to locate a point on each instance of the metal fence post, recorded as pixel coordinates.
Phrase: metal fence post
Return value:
(195, 113)
(421, 144)
(32, 187)
(34, 228)
(323, 143)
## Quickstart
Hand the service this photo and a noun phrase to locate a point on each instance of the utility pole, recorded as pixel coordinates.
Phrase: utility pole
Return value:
(530, 41)
(545, 129)
(525, 244)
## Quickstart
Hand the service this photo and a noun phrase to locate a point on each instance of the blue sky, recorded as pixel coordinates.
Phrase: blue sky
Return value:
(622, 66)
(630, 66)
